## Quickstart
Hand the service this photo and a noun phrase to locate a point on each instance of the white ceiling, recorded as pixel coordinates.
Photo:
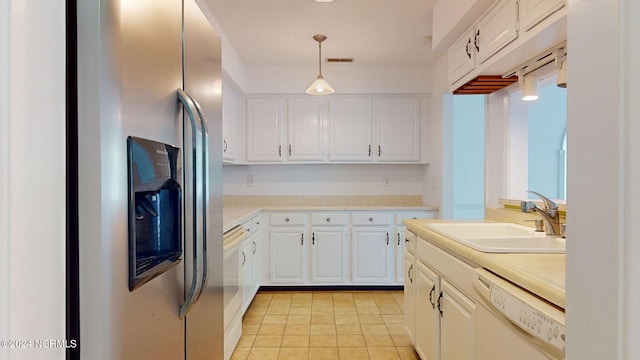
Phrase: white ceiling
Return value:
(374, 32)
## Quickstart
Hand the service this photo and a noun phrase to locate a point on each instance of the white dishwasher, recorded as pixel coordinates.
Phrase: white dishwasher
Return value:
(514, 321)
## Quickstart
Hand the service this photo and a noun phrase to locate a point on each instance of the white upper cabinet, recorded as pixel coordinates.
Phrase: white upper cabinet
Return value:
(398, 129)
(305, 129)
(462, 57)
(265, 120)
(229, 116)
(533, 12)
(350, 123)
(357, 129)
(496, 29)
(508, 34)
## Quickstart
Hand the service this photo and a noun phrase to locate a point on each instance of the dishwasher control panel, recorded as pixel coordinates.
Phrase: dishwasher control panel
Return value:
(530, 319)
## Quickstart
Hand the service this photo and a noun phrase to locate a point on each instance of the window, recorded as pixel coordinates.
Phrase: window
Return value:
(537, 159)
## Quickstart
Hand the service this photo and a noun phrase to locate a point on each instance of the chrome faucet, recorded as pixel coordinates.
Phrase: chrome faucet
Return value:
(550, 213)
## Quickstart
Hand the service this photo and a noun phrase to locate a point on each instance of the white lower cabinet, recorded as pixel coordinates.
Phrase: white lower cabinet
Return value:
(444, 315)
(328, 255)
(427, 313)
(371, 255)
(456, 324)
(287, 255)
(409, 298)
(337, 248)
(251, 262)
(247, 274)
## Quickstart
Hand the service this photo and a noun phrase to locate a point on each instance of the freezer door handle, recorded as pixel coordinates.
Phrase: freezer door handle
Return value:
(194, 289)
(204, 178)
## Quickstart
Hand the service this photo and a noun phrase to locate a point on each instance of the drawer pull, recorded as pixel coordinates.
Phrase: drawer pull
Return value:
(370, 219)
(328, 219)
(287, 219)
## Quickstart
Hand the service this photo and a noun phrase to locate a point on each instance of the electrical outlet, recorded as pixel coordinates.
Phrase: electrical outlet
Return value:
(386, 181)
(250, 180)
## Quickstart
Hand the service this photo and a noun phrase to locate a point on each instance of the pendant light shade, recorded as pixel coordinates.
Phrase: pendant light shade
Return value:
(320, 86)
(530, 88)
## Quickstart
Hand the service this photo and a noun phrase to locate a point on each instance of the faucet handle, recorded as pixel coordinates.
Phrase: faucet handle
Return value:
(548, 203)
(527, 206)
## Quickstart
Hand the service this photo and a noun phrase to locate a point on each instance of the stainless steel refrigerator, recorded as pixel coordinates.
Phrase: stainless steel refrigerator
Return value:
(136, 59)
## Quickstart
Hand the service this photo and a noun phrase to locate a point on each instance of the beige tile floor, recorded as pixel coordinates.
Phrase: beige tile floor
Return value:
(325, 325)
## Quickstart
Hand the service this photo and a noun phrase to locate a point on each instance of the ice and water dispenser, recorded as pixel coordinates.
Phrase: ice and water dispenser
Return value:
(155, 209)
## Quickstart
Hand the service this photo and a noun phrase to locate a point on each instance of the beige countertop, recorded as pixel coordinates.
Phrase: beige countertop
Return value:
(238, 212)
(541, 274)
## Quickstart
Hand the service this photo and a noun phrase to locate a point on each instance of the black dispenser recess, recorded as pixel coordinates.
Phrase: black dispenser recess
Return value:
(155, 209)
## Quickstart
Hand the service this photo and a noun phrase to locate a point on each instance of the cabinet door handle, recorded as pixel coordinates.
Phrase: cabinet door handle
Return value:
(244, 258)
(289, 149)
(369, 150)
(387, 238)
(225, 146)
(379, 150)
(476, 40)
(302, 239)
(466, 48)
(313, 238)
(409, 274)
(255, 248)
(398, 239)
(440, 303)
(279, 150)
(431, 300)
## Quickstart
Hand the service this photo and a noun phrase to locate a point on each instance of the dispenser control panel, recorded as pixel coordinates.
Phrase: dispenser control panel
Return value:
(531, 320)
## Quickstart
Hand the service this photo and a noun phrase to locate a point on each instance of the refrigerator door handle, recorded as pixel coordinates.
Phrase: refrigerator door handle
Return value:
(194, 291)
(205, 193)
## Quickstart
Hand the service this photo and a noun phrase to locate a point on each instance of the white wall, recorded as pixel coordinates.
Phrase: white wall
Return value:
(603, 272)
(32, 174)
(324, 179)
(345, 78)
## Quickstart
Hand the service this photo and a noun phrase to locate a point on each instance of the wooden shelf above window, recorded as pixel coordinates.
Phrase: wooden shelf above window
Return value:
(485, 84)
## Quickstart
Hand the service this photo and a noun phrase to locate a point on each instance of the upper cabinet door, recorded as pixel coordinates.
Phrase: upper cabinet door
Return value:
(305, 130)
(350, 124)
(229, 116)
(398, 122)
(497, 29)
(265, 118)
(534, 11)
(461, 57)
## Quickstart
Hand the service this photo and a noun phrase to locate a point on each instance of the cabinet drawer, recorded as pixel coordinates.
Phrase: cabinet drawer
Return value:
(328, 219)
(371, 219)
(287, 219)
(414, 215)
(247, 227)
(410, 240)
(255, 224)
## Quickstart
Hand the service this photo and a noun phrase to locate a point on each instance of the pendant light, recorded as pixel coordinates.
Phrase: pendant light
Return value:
(530, 88)
(320, 86)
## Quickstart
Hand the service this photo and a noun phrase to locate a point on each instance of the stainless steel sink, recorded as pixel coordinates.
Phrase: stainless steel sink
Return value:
(499, 237)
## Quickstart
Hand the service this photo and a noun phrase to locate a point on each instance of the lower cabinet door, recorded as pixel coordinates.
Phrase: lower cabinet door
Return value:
(328, 255)
(410, 285)
(371, 255)
(247, 262)
(457, 327)
(288, 255)
(256, 264)
(427, 313)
